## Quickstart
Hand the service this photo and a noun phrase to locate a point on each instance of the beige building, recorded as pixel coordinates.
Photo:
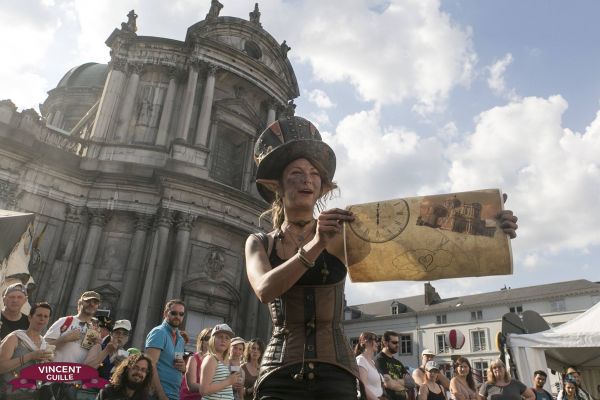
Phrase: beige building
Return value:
(141, 172)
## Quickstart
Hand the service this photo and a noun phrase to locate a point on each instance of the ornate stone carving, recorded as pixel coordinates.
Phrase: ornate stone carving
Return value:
(289, 109)
(135, 68)
(68, 143)
(211, 69)
(174, 73)
(143, 222)
(118, 64)
(98, 217)
(184, 221)
(214, 262)
(8, 191)
(165, 218)
(75, 214)
(255, 15)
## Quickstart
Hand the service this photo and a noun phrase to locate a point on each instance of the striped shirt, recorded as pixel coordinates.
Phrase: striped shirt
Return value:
(221, 373)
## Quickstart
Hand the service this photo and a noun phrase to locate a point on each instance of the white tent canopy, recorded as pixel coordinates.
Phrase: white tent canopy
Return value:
(574, 343)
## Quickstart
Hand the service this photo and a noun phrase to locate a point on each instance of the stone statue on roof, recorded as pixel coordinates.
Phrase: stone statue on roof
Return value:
(284, 48)
(255, 15)
(215, 9)
(130, 25)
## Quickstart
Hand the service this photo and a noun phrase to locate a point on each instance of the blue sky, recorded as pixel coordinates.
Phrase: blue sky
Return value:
(416, 97)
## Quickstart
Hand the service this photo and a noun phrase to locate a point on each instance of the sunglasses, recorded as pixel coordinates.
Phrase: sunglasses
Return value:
(393, 341)
(176, 313)
(92, 301)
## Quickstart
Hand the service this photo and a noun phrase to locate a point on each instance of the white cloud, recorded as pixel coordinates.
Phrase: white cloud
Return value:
(496, 80)
(320, 98)
(552, 174)
(420, 53)
(378, 162)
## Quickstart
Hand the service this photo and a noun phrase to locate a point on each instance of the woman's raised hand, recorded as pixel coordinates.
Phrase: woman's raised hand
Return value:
(330, 223)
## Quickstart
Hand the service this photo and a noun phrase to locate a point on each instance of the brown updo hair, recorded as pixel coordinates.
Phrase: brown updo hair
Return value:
(362, 340)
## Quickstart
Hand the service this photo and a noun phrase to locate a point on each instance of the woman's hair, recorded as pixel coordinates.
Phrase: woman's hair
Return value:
(470, 380)
(276, 211)
(248, 350)
(213, 351)
(119, 377)
(42, 304)
(491, 379)
(204, 334)
(362, 341)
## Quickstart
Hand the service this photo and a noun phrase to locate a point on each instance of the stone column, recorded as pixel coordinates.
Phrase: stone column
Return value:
(63, 271)
(150, 307)
(249, 169)
(133, 271)
(188, 102)
(167, 111)
(206, 109)
(86, 266)
(184, 225)
(109, 101)
(128, 103)
(271, 113)
(57, 119)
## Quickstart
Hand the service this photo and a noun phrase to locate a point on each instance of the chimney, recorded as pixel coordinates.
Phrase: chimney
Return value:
(431, 295)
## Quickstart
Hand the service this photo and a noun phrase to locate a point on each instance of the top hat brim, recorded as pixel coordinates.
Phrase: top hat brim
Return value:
(273, 164)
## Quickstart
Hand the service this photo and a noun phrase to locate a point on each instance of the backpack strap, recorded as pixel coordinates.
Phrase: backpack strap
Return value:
(66, 324)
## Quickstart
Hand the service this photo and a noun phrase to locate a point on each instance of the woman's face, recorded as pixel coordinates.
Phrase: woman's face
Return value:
(498, 371)
(432, 375)
(255, 352)
(463, 369)
(222, 341)
(39, 319)
(301, 184)
(570, 388)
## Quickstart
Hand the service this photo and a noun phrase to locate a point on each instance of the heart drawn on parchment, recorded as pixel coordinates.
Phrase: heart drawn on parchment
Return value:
(425, 261)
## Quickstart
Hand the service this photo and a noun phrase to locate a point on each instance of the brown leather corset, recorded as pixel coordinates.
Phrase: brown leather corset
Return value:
(307, 328)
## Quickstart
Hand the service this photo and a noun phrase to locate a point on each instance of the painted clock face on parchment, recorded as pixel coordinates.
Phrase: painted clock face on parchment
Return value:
(380, 222)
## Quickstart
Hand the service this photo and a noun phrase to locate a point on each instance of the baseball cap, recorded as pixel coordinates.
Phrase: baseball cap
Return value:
(237, 340)
(90, 295)
(15, 287)
(427, 352)
(122, 324)
(431, 365)
(222, 328)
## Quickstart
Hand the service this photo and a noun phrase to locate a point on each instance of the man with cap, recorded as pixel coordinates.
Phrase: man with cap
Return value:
(74, 335)
(14, 297)
(165, 346)
(110, 352)
(419, 373)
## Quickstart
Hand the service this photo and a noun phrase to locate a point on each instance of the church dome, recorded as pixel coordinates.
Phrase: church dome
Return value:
(85, 75)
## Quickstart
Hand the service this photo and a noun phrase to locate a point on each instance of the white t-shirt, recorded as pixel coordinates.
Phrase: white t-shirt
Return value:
(71, 351)
(373, 378)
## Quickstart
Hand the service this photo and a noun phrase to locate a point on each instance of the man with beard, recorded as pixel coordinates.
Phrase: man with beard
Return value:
(165, 346)
(14, 297)
(392, 369)
(70, 334)
(131, 380)
(107, 354)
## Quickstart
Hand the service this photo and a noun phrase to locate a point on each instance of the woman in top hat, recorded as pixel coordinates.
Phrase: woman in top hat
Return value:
(297, 268)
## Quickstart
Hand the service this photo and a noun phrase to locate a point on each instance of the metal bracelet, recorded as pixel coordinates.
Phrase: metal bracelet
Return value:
(302, 257)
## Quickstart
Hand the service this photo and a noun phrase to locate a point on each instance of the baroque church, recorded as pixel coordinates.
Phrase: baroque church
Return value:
(141, 173)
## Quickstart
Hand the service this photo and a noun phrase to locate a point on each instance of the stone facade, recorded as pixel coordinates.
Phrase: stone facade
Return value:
(141, 173)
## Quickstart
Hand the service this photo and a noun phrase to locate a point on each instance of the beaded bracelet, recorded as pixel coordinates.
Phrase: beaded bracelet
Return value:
(302, 257)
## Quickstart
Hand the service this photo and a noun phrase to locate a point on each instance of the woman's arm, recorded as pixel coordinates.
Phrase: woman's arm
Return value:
(207, 373)
(528, 394)
(269, 283)
(7, 350)
(364, 378)
(455, 390)
(423, 392)
(190, 375)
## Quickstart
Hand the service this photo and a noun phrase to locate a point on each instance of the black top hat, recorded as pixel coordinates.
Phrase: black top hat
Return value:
(284, 141)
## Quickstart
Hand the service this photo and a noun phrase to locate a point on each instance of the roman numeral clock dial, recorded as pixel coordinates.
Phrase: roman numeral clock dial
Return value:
(380, 222)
